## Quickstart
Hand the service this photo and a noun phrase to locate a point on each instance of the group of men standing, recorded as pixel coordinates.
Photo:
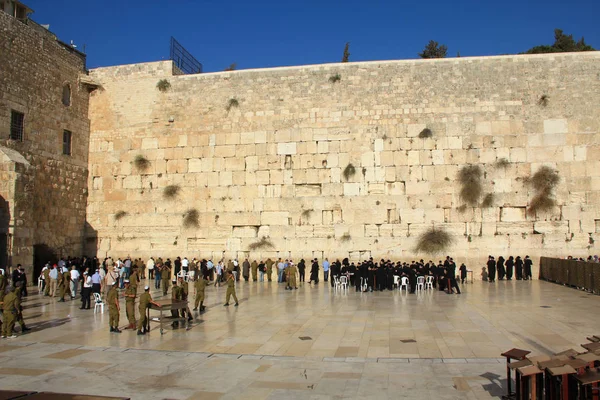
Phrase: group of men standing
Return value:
(504, 269)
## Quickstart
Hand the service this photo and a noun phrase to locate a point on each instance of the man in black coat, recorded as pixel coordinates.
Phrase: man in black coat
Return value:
(510, 263)
(491, 264)
(528, 265)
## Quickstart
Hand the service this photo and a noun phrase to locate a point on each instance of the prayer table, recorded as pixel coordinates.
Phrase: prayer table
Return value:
(590, 358)
(512, 354)
(527, 386)
(557, 382)
(578, 364)
(593, 346)
(166, 305)
(588, 385)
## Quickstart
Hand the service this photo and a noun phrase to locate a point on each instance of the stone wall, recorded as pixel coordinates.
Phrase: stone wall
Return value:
(46, 191)
(262, 153)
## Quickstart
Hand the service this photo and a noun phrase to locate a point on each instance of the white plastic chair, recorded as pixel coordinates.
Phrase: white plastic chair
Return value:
(420, 283)
(403, 283)
(344, 282)
(182, 274)
(336, 283)
(363, 284)
(191, 275)
(396, 280)
(40, 283)
(98, 303)
(429, 282)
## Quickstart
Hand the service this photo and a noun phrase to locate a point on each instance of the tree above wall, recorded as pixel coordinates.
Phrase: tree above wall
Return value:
(434, 50)
(562, 44)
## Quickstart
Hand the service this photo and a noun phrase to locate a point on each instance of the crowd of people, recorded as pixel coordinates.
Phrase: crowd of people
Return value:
(90, 276)
(506, 269)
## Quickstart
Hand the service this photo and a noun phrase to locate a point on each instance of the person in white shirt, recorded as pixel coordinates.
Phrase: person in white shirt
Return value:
(150, 268)
(86, 292)
(219, 269)
(74, 281)
(43, 278)
(185, 263)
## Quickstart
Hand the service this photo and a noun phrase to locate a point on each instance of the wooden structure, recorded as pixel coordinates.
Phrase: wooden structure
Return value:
(166, 305)
(562, 376)
(578, 274)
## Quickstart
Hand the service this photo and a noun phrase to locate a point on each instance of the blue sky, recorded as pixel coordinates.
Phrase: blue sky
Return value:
(260, 33)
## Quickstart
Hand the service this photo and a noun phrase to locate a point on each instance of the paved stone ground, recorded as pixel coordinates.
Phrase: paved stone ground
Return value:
(367, 345)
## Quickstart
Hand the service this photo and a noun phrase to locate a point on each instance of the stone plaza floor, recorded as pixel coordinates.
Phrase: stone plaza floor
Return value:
(310, 343)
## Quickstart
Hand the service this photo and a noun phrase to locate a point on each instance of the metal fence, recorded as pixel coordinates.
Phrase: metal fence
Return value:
(183, 59)
(578, 274)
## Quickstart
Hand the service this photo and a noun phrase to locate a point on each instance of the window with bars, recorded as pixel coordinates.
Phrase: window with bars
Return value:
(67, 142)
(16, 125)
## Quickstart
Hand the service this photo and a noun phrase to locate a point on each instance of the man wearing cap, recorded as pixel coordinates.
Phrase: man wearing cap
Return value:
(145, 301)
(86, 292)
(9, 307)
(165, 275)
(200, 286)
(134, 278)
(112, 299)
(130, 293)
(230, 289)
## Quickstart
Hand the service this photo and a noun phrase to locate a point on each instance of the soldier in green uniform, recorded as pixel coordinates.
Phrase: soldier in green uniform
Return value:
(112, 298)
(64, 284)
(47, 281)
(200, 286)
(185, 291)
(145, 301)
(230, 289)
(176, 295)
(134, 278)
(130, 293)
(269, 268)
(254, 267)
(2, 284)
(10, 305)
(19, 293)
(291, 277)
(165, 275)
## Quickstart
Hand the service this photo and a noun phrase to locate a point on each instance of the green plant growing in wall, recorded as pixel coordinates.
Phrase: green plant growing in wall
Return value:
(488, 200)
(141, 163)
(263, 243)
(171, 191)
(433, 241)
(335, 78)
(349, 171)
(425, 133)
(306, 213)
(232, 103)
(544, 181)
(543, 100)
(191, 218)
(470, 178)
(120, 215)
(163, 85)
(345, 237)
(502, 163)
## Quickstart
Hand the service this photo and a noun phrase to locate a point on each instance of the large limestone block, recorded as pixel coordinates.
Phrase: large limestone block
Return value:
(286, 148)
(552, 126)
(274, 218)
(352, 189)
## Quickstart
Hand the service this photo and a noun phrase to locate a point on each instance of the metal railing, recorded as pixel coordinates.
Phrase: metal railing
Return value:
(183, 59)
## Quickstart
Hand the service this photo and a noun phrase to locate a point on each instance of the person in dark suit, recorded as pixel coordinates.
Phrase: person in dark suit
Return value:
(510, 263)
(491, 264)
(528, 264)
